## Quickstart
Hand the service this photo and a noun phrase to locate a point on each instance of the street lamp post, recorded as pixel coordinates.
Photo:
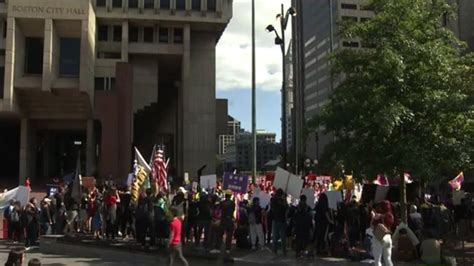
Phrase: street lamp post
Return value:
(254, 116)
(283, 17)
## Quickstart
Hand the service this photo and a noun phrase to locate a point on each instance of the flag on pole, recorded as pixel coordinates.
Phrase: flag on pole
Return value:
(457, 182)
(76, 192)
(141, 172)
(381, 181)
(160, 172)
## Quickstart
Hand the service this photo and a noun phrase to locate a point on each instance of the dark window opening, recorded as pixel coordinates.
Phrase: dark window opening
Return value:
(102, 33)
(149, 4)
(165, 4)
(108, 55)
(348, 6)
(69, 56)
(364, 19)
(133, 34)
(117, 3)
(211, 5)
(33, 55)
(117, 33)
(112, 84)
(100, 3)
(148, 34)
(367, 7)
(99, 84)
(133, 3)
(350, 44)
(349, 19)
(196, 5)
(163, 35)
(180, 4)
(4, 29)
(178, 35)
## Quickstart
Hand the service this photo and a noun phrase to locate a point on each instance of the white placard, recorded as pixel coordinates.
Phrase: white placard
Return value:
(310, 198)
(194, 186)
(264, 199)
(23, 195)
(381, 193)
(208, 181)
(295, 185)
(186, 178)
(334, 197)
(458, 196)
(281, 178)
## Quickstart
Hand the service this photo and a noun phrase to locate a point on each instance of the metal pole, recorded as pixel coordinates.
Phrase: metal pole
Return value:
(254, 115)
(283, 89)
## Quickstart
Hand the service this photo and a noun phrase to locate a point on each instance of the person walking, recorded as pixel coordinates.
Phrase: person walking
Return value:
(303, 224)
(176, 227)
(227, 221)
(382, 245)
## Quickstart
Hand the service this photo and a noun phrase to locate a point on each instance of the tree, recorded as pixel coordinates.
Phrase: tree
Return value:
(405, 101)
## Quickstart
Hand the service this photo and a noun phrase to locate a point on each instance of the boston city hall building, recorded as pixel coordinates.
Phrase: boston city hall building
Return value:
(98, 77)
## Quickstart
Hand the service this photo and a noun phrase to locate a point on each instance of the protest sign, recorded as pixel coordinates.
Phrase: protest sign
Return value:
(194, 186)
(291, 184)
(236, 183)
(264, 199)
(281, 178)
(381, 193)
(208, 181)
(334, 197)
(310, 198)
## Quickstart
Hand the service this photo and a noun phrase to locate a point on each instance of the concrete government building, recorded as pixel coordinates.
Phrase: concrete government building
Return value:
(102, 76)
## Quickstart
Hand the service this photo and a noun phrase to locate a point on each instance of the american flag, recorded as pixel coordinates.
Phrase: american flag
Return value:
(160, 174)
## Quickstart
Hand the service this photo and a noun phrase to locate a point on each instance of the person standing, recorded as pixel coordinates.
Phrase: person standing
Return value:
(204, 219)
(46, 217)
(32, 222)
(176, 227)
(255, 220)
(302, 226)
(227, 221)
(279, 208)
(322, 219)
(15, 222)
(111, 201)
(383, 248)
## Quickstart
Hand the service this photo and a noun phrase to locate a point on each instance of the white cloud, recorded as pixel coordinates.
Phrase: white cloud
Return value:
(234, 51)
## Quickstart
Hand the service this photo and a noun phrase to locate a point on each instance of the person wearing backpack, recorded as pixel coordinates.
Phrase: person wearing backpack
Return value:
(255, 213)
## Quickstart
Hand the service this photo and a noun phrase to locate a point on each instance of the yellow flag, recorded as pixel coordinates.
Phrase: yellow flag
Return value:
(348, 182)
(337, 185)
(137, 184)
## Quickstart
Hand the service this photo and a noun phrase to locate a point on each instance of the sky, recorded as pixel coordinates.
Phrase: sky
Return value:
(234, 64)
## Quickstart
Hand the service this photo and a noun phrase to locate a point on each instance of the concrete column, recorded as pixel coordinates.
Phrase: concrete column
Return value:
(9, 61)
(185, 73)
(125, 41)
(90, 148)
(24, 150)
(47, 54)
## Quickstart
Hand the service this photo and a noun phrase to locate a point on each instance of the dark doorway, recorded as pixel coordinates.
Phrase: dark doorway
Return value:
(10, 153)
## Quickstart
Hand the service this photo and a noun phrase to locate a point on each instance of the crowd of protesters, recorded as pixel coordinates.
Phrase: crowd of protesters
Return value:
(213, 220)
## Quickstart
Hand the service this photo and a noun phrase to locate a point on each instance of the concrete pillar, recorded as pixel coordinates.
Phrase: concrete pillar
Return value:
(47, 54)
(185, 73)
(90, 148)
(9, 61)
(24, 150)
(125, 41)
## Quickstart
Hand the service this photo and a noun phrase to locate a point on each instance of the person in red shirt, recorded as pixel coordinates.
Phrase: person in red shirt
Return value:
(175, 239)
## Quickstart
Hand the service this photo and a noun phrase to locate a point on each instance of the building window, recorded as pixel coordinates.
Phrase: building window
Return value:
(196, 5)
(107, 55)
(350, 44)
(69, 56)
(148, 34)
(149, 4)
(178, 35)
(104, 83)
(100, 3)
(211, 5)
(133, 34)
(163, 35)
(117, 33)
(165, 4)
(4, 29)
(364, 19)
(2, 79)
(180, 4)
(33, 55)
(102, 33)
(349, 6)
(117, 3)
(133, 3)
(349, 19)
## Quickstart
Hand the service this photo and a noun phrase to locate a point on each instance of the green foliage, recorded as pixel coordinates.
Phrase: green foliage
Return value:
(405, 104)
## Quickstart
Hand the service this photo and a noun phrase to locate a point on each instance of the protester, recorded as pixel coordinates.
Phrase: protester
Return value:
(7, 216)
(111, 201)
(203, 219)
(255, 214)
(302, 226)
(32, 222)
(382, 246)
(34, 262)
(279, 208)
(227, 221)
(15, 222)
(15, 257)
(216, 214)
(46, 218)
(322, 219)
(175, 239)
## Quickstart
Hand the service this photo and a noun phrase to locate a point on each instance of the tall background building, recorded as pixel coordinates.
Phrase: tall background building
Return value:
(315, 36)
(102, 76)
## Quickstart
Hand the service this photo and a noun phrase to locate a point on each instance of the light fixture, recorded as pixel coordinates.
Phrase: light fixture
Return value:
(278, 41)
(292, 11)
(270, 28)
